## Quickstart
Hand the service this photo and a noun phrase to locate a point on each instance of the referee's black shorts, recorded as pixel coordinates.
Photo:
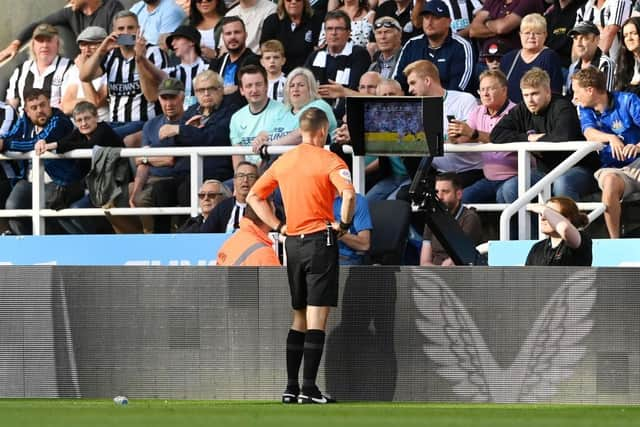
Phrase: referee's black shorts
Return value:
(312, 268)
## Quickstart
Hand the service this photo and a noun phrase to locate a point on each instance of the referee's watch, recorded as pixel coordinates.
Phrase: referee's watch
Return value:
(345, 226)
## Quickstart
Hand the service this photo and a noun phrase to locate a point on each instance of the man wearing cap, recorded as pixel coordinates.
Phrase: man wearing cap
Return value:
(492, 54)
(153, 170)
(448, 51)
(461, 12)
(47, 70)
(157, 17)
(608, 16)
(388, 34)
(76, 90)
(185, 43)
(586, 38)
(77, 17)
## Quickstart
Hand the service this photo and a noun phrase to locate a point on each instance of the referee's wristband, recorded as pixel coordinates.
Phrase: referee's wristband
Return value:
(345, 225)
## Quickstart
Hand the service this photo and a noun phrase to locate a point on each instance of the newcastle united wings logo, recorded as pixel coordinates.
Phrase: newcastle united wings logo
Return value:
(547, 357)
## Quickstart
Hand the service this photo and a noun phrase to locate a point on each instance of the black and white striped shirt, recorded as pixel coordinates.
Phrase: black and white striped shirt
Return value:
(603, 63)
(186, 73)
(276, 88)
(126, 102)
(27, 76)
(612, 12)
(462, 12)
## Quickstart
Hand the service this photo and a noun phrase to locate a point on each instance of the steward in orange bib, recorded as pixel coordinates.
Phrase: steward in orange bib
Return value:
(250, 245)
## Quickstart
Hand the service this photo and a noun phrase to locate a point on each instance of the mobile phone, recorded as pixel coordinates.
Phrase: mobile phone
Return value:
(450, 118)
(126, 40)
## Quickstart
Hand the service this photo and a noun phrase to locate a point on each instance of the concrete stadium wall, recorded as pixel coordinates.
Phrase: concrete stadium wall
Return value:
(404, 334)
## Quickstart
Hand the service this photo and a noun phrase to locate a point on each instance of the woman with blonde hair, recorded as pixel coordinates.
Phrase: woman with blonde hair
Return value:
(533, 34)
(567, 244)
(300, 94)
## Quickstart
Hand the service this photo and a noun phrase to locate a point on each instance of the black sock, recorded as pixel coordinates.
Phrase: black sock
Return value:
(295, 350)
(313, 345)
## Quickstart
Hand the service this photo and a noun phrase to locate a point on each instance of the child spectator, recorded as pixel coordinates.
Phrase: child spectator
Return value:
(273, 60)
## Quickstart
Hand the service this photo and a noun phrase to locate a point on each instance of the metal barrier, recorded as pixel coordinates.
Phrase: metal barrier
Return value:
(525, 194)
(196, 154)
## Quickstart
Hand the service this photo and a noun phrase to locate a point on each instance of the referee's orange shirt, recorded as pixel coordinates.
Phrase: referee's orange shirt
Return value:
(308, 177)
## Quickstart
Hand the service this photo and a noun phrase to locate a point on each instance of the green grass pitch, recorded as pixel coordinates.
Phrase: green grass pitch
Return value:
(174, 413)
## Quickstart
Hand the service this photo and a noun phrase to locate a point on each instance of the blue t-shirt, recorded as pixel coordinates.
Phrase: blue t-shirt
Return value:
(361, 221)
(164, 19)
(245, 125)
(621, 118)
(150, 139)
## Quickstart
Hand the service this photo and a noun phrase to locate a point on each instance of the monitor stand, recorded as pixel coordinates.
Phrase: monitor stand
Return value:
(424, 199)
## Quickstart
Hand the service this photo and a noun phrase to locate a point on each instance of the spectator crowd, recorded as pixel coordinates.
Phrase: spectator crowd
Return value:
(204, 73)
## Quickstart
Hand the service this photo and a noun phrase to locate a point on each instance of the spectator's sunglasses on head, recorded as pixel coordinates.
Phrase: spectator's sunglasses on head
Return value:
(385, 24)
(209, 195)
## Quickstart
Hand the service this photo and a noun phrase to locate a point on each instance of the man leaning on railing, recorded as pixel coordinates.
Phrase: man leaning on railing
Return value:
(543, 117)
(41, 122)
(614, 119)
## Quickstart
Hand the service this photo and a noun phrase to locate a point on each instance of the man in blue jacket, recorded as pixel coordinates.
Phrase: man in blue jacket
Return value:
(41, 122)
(612, 118)
(451, 53)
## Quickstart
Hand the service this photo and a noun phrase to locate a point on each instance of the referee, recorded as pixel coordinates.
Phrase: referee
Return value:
(308, 177)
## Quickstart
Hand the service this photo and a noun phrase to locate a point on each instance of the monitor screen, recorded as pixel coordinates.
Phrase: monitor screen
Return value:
(395, 126)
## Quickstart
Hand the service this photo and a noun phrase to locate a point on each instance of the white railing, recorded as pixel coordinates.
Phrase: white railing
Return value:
(38, 213)
(543, 187)
(196, 154)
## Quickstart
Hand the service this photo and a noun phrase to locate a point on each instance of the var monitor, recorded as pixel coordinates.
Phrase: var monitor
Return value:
(396, 125)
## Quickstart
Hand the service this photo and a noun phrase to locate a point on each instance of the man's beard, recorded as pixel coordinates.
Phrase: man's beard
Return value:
(235, 50)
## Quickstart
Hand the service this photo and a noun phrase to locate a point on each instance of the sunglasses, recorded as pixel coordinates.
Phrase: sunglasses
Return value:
(208, 195)
(385, 24)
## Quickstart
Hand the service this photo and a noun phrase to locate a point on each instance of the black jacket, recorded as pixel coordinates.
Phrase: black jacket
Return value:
(297, 42)
(218, 218)
(559, 122)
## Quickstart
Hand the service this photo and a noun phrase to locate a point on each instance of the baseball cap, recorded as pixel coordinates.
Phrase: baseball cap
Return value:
(45, 30)
(170, 86)
(387, 22)
(494, 48)
(187, 32)
(584, 27)
(436, 8)
(92, 35)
